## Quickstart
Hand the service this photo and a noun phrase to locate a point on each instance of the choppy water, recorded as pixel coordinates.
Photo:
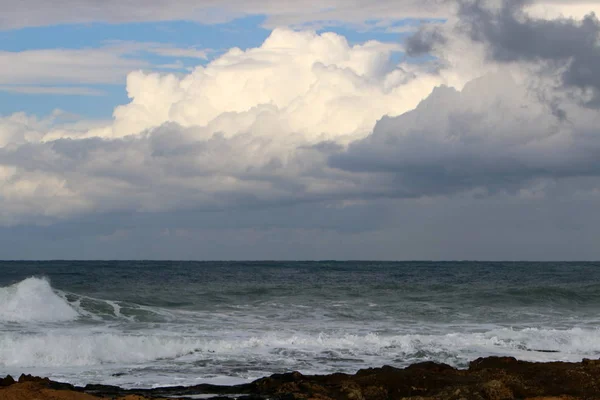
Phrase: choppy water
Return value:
(148, 324)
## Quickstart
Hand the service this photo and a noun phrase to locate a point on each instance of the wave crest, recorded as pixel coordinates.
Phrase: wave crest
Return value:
(34, 300)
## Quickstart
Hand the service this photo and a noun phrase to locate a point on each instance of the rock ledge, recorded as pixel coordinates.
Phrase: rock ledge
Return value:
(491, 378)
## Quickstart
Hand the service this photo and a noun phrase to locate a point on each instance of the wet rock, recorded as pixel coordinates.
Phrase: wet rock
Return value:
(492, 362)
(492, 378)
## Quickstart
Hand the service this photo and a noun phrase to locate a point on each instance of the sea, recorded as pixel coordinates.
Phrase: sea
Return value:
(149, 324)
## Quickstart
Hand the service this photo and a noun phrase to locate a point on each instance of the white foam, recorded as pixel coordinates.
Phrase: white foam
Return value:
(34, 300)
(86, 348)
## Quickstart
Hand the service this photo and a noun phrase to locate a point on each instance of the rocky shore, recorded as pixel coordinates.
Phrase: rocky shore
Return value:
(492, 378)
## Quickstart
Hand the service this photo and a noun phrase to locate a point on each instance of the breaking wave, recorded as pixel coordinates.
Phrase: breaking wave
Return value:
(57, 349)
(34, 300)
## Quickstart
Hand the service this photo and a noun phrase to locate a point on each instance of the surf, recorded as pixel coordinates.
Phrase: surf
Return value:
(34, 300)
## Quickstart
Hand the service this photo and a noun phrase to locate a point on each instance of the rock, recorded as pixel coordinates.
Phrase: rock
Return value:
(9, 380)
(30, 378)
(351, 391)
(492, 362)
(492, 378)
(588, 362)
(375, 393)
(430, 366)
(496, 390)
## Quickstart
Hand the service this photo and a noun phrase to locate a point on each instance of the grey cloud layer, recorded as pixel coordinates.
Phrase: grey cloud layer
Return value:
(37, 13)
(492, 137)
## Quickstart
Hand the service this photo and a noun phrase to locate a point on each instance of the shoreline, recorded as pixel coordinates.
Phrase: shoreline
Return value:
(489, 378)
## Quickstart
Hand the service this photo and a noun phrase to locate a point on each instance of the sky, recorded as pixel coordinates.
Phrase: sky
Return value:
(313, 130)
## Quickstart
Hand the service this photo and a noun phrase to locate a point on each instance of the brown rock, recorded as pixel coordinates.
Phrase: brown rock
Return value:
(31, 390)
(496, 390)
(351, 391)
(375, 393)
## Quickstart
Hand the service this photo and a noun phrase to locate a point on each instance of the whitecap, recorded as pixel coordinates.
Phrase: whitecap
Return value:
(34, 300)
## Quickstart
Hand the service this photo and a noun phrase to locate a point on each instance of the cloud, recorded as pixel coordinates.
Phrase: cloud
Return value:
(66, 66)
(61, 71)
(62, 90)
(563, 48)
(494, 135)
(295, 121)
(553, 9)
(246, 129)
(313, 13)
(180, 52)
(318, 86)
(308, 134)
(424, 39)
(35, 13)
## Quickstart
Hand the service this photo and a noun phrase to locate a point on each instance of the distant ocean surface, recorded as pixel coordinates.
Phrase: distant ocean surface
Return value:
(148, 324)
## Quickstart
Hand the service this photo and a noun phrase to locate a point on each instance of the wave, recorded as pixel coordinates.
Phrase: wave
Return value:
(86, 348)
(34, 300)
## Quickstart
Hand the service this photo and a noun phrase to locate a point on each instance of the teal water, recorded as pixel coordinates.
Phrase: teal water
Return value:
(163, 323)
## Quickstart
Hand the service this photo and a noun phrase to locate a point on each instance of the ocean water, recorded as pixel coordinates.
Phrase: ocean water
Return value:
(149, 324)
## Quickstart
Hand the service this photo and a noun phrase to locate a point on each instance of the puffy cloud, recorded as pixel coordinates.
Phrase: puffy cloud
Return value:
(245, 129)
(314, 85)
(552, 9)
(494, 135)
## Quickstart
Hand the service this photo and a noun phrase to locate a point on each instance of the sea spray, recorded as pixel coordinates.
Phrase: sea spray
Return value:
(34, 300)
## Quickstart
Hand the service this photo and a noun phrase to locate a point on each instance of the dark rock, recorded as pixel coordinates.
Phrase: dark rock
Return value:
(430, 366)
(36, 379)
(491, 362)
(104, 389)
(492, 378)
(496, 390)
(9, 380)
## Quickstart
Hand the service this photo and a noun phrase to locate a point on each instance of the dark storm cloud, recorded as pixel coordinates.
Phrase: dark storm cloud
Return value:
(424, 40)
(565, 45)
(562, 46)
(491, 136)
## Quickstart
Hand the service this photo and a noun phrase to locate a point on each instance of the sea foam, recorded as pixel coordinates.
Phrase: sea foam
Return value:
(34, 300)
(83, 347)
